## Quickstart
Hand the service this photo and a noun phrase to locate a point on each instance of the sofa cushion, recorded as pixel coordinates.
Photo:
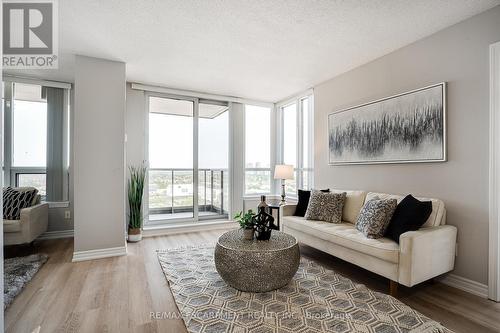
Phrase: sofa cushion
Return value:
(410, 215)
(303, 201)
(375, 217)
(354, 201)
(325, 206)
(437, 216)
(11, 225)
(346, 234)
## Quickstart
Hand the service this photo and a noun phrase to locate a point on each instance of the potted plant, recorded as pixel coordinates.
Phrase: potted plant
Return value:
(246, 223)
(135, 192)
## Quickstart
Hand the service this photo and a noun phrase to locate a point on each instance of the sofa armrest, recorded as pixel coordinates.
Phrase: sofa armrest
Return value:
(288, 209)
(34, 221)
(426, 253)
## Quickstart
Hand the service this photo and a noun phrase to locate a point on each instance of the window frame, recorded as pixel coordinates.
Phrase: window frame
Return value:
(11, 172)
(302, 171)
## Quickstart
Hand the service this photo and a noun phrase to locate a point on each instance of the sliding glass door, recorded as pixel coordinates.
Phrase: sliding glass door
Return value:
(188, 159)
(213, 159)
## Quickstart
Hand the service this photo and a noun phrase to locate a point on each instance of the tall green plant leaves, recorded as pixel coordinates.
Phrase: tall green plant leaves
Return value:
(135, 192)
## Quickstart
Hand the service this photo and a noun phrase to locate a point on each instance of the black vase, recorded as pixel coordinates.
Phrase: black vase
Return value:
(264, 234)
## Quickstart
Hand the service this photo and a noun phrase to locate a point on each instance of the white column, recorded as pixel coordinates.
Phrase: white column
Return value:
(99, 158)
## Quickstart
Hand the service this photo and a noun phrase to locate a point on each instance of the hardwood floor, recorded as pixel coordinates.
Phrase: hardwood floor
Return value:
(118, 294)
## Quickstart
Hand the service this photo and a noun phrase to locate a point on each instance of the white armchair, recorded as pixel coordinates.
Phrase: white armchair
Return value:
(33, 222)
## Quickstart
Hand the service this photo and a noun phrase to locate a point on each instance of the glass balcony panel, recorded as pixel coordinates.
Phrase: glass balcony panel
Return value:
(183, 191)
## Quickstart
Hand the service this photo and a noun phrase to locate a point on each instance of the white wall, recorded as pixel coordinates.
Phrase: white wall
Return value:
(99, 154)
(460, 56)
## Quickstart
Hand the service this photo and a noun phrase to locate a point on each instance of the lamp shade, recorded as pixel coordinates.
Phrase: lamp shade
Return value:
(283, 171)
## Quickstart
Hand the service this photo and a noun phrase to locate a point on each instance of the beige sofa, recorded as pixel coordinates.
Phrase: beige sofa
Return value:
(33, 222)
(419, 256)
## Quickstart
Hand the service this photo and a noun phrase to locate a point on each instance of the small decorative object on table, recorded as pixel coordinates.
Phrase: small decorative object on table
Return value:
(283, 172)
(246, 223)
(263, 222)
(135, 192)
(275, 206)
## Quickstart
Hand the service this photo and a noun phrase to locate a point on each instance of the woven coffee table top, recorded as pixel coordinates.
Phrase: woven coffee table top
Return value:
(233, 240)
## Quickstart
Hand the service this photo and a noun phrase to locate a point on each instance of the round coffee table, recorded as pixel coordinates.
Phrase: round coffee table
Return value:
(256, 266)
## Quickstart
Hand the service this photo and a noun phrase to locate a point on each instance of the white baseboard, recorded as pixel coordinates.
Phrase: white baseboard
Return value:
(162, 230)
(465, 284)
(56, 234)
(100, 253)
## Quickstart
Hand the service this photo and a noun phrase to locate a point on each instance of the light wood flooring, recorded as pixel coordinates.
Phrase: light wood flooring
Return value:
(118, 294)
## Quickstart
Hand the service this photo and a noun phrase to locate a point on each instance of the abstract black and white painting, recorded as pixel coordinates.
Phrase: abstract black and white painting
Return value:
(409, 127)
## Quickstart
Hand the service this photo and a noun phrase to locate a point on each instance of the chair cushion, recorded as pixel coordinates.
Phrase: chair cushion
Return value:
(354, 201)
(11, 225)
(15, 200)
(438, 211)
(325, 206)
(346, 235)
(36, 200)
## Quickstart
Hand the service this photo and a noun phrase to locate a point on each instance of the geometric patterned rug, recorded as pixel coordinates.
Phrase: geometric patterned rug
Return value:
(316, 300)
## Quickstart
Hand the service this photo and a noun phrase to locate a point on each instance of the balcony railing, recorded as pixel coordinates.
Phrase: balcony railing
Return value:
(171, 192)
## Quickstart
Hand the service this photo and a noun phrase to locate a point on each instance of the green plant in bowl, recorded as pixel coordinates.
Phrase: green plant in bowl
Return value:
(246, 223)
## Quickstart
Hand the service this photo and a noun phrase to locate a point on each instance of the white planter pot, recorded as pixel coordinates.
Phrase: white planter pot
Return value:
(134, 237)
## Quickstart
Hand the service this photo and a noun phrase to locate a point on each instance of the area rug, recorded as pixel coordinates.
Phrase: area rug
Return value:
(18, 272)
(316, 300)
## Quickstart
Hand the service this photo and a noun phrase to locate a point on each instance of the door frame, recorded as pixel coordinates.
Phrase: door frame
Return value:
(494, 176)
(196, 119)
(193, 100)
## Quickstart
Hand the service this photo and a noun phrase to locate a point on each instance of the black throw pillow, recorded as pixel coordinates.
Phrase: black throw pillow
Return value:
(303, 201)
(303, 197)
(410, 215)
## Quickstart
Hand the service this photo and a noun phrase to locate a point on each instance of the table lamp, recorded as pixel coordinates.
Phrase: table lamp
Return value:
(283, 172)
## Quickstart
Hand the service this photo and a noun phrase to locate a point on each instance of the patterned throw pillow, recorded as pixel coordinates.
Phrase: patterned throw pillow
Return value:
(375, 216)
(324, 206)
(14, 201)
(303, 201)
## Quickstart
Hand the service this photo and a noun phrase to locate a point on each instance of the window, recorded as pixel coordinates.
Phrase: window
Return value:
(36, 180)
(171, 174)
(36, 133)
(257, 150)
(29, 127)
(296, 142)
(188, 181)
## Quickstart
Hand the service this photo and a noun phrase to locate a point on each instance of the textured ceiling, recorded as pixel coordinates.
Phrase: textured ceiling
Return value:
(260, 49)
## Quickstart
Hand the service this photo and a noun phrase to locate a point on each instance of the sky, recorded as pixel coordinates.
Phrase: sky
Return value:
(171, 142)
(30, 134)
